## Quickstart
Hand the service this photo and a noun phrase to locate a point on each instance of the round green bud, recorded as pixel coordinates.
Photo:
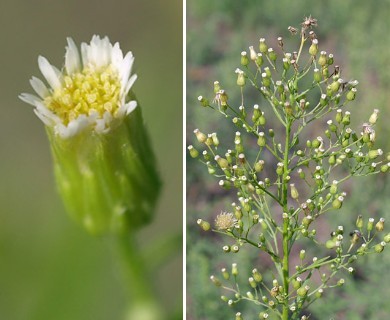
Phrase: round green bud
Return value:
(225, 274)
(259, 60)
(257, 275)
(261, 140)
(203, 224)
(216, 281)
(234, 269)
(193, 152)
(262, 46)
(272, 54)
(302, 291)
(380, 225)
(374, 117)
(200, 136)
(203, 101)
(244, 58)
(313, 50)
(351, 94)
(294, 191)
(240, 78)
(359, 221)
(370, 224)
(259, 166)
(380, 247)
(252, 282)
(330, 244)
(338, 202)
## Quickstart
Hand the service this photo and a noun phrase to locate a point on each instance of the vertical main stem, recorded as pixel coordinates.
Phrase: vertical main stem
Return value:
(285, 268)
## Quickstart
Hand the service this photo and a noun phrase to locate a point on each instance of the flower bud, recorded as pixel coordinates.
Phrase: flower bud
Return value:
(193, 152)
(256, 113)
(317, 75)
(203, 101)
(330, 244)
(240, 78)
(252, 282)
(387, 238)
(259, 165)
(259, 60)
(374, 117)
(272, 54)
(322, 60)
(244, 59)
(313, 50)
(261, 140)
(340, 282)
(319, 293)
(359, 221)
(330, 59)
(235, 248)
(332, 159)
(226, 249)
(302, 291)
(370, 224)
(297, 282)
(225, 274)
(351, 94)
(333, 187)
(216, 281)
(339, 116)
(347, 118)
(252, 53)
(266, 81)
(385, 167)
(203, 224)
(200, 136)
(262, 46)
(257, 275)
(222, 162)
(380, 225)
(380, 247)
(294, 191)
(234, 269)
(280, 168)
(373, 154)
(338, 202)
(302, 254)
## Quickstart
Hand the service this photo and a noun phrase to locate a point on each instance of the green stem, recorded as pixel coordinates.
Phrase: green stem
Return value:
(286, 238)
(138, 281)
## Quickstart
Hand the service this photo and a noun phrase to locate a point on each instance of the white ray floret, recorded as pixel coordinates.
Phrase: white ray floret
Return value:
(90, 92)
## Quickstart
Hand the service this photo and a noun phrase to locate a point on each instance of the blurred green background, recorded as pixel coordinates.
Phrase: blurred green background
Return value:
(49, 267)
(358, 34)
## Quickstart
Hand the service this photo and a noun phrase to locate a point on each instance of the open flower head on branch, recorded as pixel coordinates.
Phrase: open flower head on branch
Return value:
(90, 91)
(104, 165)
(225, 221)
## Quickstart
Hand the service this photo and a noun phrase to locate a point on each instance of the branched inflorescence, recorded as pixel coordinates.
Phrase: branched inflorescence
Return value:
(286, 185)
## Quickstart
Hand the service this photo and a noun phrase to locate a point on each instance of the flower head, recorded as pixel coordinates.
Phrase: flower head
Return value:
(225, 221)
(89, 92)
(103, 162)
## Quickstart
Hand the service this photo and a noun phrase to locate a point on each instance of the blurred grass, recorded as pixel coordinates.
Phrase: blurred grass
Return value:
(358, 34)
(49, 267)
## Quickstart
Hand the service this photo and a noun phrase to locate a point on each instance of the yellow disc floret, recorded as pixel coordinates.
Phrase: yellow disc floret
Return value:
(86, 92)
